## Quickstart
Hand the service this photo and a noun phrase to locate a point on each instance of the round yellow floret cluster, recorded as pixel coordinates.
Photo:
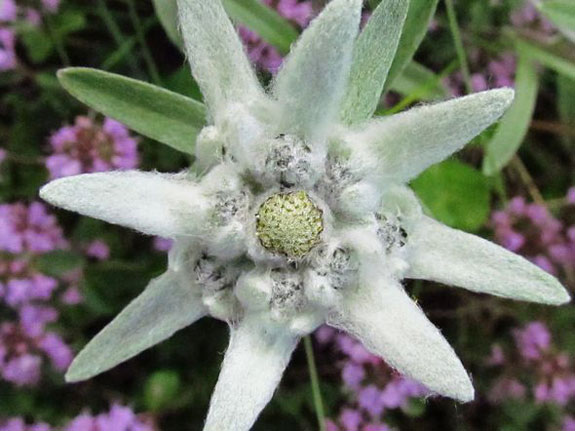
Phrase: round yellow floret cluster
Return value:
(289, 224)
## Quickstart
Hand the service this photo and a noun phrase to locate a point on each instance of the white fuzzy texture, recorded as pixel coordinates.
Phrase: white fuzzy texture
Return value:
(152, 203)
(166, 306)
(359, 200)
(252, 369)
(209, 149)
(216, 55)
(312, 81)
(254, 290)
(372, 58)
(242, 132)
(392, 326)
(439, 253)
(399, 147)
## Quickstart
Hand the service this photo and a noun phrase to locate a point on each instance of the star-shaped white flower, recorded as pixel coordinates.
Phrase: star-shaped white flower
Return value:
(297, 213)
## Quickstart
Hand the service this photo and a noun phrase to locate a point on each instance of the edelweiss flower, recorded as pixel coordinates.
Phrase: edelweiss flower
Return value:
(297, 213)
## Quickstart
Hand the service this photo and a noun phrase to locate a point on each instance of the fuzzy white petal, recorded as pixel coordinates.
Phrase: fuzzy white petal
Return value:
(166, 306)
(216, 55)
(391, 325)
(439, 253)
(312, 81)
(399, 147)
(372, 59)
(153, 203)
(253, 366)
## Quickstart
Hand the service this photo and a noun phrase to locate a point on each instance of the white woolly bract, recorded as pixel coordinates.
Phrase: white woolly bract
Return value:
(253, 366)
(166, 306)
(313, 79)
(439, 253)
(399, 147)
(152, 203)
(392, 326)
(216, 55)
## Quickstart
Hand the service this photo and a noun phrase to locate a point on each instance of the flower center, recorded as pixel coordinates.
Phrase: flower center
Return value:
(289, 224)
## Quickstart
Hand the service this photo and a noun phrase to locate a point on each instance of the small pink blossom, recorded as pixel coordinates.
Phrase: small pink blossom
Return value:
(89, 147)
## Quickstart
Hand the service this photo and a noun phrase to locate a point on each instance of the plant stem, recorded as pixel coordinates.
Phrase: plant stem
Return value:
(317, 400)
(115, 32)
(459, 48)
(57, 40)
(526, 177)
(151, 66)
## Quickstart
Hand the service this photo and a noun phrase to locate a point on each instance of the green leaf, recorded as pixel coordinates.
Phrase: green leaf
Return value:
(167, 13)
(38, 44)
(58, 263)
(416, 24)
(515, 123)
(167, 117)
(418, 79)
(455, 194)
(566, 107)
(559, 57)
(562, 14)
(373, 56)
(266, 22)
(67, 22)
(161, 390)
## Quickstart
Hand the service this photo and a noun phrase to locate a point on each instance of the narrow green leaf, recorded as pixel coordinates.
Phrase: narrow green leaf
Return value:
(266, 22)
(455, 193)
(372, 59)
(566, 108)
(562, 14)
(416, 24)
(515, 123)
(167, 117)
(418, 79)
(167, 13)
(558, 57)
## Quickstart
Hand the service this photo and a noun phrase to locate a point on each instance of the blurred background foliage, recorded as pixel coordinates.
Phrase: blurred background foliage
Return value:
(63, 277)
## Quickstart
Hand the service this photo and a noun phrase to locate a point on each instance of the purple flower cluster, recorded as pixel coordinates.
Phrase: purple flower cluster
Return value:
(373, 387)
(88, 146)
(528, 17)
(7, 49)
(261, 53)
(26, 233)
(534, 369)
(119, 418)
(488, 73)
(10, 14)
(532, 231)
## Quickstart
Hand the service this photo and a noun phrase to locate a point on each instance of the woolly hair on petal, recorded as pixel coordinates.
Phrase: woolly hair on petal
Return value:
(399, 147)
(312, 81)
(381, 315)
(253, 366)
(216, 55)
(439, 253)
(166, 306)
(153, 203)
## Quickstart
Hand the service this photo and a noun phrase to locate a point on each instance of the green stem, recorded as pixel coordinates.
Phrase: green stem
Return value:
(57, 40)
(459, 48)
(316, 392)
(150, 64)
(115, 32)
